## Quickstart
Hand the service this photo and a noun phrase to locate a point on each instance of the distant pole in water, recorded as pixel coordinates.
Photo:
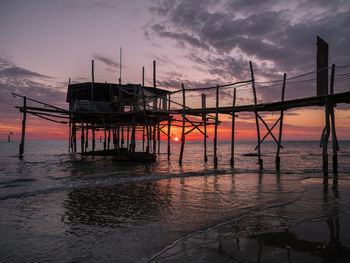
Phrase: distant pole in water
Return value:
(9, 138)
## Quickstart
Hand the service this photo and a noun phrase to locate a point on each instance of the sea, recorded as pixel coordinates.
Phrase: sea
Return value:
(57, 206)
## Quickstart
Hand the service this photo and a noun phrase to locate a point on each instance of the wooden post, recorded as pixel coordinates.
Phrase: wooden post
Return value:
(183, 125)
(122, 139)
(143, 77)
(127, 137)
(324, 140)
(216, 127)
(260, 161)
(158, 137)
(154, 139)
(75, 137)
(82, 137)
(169, 137)
(154, 74)
(169, 101)
(93, 137)
(133, 133)
(109, 138)
(335, 144)
(278, 160)
(24, 110)
(204, 118)
(233, 130)
(87, 137)
(92, 80)
(105, 135)
(69, 136)
(143, 138)
(148, 137)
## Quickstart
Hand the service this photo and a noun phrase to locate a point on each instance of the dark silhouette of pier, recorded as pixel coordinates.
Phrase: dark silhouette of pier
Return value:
(123, 110)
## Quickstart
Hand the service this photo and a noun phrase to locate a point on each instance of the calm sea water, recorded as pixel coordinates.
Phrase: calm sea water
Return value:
(60, 207)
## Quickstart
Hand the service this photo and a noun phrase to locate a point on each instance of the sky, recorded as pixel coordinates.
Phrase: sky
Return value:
(198, 43)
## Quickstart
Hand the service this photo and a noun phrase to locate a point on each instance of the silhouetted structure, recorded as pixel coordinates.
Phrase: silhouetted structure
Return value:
(121, 111)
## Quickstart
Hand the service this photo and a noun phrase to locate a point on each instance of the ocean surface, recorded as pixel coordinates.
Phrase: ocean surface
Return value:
(61, 207)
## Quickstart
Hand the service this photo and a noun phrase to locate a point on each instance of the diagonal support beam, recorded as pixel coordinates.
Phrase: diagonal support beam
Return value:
(269, 132)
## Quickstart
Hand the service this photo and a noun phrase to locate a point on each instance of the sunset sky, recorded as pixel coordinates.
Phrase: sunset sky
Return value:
(199, 43)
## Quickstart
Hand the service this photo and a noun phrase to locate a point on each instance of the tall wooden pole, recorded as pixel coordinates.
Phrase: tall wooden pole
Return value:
(335, 144)
(143, 138)
(216, 127)
(260, 161)
(233, 130)
(154, 74)
(133, 134)
(183, 125)
(169, 136)
(105, 135)
(24, 110)
(92, 80)
(278, 159)
(204, 118)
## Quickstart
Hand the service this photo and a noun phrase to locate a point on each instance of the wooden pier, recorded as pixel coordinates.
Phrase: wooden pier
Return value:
(122, 111)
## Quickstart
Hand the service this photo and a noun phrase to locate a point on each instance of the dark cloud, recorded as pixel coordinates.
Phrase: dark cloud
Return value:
(32, 84)
(282, 34)
(106, 60)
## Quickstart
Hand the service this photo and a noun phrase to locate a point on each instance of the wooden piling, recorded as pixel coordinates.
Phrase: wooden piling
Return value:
(87, 137)
(154, 139)
(204, 119)
(335, 144)
(93, 143)
(233, 130)
(109, 138)
(127, 137)
(105, 136)
(260, 161)
(24, 110)
(74, 131)
(278, 159)
(122, 139)
(216, 127)
(133, 134)
(143, 138)
(183, 124)
(158, 137)
(82, 137)
(169, 137)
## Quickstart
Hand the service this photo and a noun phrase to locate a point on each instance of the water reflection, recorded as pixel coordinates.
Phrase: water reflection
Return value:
(120, 205)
